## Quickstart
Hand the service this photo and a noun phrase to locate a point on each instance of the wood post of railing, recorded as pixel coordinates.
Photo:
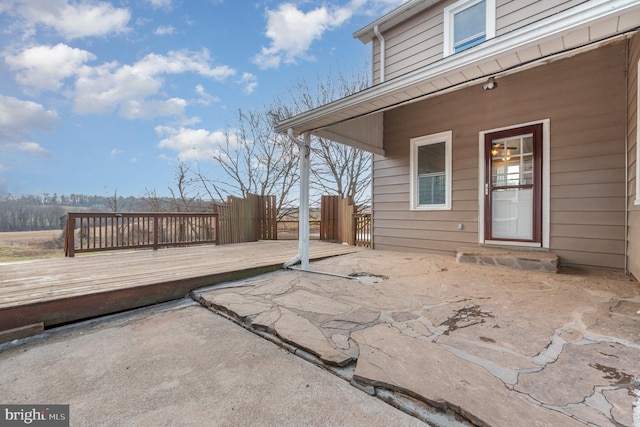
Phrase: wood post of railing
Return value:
(69, 236)
(217, 227)
(155, 232)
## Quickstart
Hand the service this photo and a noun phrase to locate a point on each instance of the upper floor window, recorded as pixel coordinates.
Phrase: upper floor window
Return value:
(468, 23)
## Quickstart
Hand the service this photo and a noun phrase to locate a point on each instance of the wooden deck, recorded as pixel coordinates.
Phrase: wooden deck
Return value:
(47, 292)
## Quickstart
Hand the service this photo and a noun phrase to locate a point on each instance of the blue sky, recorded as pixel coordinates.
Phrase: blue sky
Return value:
(98, 97)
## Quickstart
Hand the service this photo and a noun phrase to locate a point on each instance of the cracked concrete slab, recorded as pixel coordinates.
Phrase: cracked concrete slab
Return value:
(239, 304)
(578, 370)
(352, 320)
(540, 349)
(308, 301)
(297, 330)
(390, 359)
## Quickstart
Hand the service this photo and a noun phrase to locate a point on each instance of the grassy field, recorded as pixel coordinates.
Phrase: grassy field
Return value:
(25, 245)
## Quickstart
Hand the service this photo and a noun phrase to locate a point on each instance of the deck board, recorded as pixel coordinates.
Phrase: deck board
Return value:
(61, 290)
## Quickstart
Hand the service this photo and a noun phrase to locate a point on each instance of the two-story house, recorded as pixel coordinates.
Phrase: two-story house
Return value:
(500, 122)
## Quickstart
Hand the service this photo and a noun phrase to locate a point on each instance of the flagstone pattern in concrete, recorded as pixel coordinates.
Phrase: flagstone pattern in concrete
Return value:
(498, 347)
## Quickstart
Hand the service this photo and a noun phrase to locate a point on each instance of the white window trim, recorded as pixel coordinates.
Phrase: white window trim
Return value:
(636, 201)
(546, 178)
(450, 11)
(435, 138)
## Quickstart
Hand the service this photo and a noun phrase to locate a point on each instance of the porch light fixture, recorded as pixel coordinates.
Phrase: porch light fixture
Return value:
(490, 84)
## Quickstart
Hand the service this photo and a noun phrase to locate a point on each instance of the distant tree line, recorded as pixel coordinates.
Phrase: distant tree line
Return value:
(48, 212)
(15, 215)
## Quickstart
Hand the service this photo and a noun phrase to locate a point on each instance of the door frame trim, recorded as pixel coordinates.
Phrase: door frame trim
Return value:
(546, 151)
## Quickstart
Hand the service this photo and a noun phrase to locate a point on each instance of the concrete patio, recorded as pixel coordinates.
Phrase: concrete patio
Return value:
(497, 347)
(177, 364)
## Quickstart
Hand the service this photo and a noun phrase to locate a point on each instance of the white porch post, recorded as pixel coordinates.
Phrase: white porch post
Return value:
(303, 211)
(303, 215)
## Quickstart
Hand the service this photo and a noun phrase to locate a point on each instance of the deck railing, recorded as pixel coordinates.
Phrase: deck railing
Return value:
(92, 232)
(362, 229)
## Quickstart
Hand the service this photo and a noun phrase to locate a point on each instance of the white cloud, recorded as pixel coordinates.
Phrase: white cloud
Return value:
(205, 98)
(44, 67)
(18, 118)
(115, 152)
(249, 81)
(292, 32)
(28, 147)
(182, 61)
(111, 86)
(104, 88)
(188, 121)
(374, 8)
(164, 30)
(134, 109)
(192, 144)
(160, 4)
(74, 20)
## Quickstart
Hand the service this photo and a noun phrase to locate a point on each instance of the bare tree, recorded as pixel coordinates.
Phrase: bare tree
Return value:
(335, 168)
(255, 160)
(186, 196)
(116, 203)
(152, 202)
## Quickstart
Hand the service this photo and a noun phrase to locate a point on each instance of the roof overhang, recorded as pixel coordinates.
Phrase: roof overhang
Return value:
(356, 120)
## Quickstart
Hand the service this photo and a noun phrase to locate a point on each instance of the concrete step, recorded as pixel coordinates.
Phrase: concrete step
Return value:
(518, 259)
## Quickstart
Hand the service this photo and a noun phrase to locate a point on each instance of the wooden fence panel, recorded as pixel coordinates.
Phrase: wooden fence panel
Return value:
(329, 218)
(336, 219)
(268, 217)
(247, 220)
(346, 232)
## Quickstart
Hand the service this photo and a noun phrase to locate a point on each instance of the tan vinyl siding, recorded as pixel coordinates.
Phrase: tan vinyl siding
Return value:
(514, 14)
(583, 97)
(632, 121)
(419, 41)
(415, 44)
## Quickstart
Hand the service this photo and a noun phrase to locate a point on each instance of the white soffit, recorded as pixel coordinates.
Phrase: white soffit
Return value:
(580, 26)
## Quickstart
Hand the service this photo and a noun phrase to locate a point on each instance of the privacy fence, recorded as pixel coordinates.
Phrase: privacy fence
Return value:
(340, 222)
(248, 220)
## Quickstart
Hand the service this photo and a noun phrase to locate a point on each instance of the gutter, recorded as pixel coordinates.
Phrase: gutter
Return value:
(626, 162)
(382, 52)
